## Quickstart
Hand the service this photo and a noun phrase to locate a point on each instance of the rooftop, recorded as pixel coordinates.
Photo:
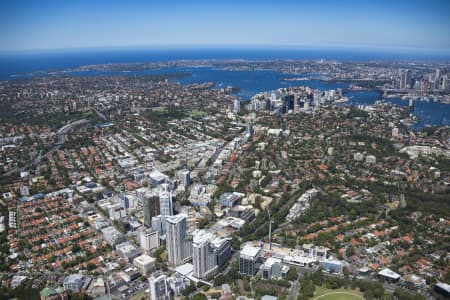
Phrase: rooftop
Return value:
(144, 259)
(389, 273)
(176, 218)
(250, 251)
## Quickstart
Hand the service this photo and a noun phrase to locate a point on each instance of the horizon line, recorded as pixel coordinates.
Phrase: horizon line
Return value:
(357, 47)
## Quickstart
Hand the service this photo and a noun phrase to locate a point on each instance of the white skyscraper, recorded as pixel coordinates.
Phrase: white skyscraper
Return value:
(236, 106)
(179, 247)
(204, 258)
(148, 239)
(165, 203)
(437, 79)
(159, 224)
(159, 289)
(317, 98)
(185, 177)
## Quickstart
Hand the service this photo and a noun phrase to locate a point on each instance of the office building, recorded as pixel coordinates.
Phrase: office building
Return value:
(246, 213)
(159, 224)
(179, 246)
(209, 253)
(112, 235)
(414, 281)
(73, 283)
(157, 178)
(333, 266)
(250, 130)
(437, 78)
(271, 269)
(249, 260)
(127, 201)
(159, 289)
(178, 284)
(222, 249)
(148, 239)
(185, 177)
(203, 256)
(236, 106)
(127, 251)
(296, 103)
(388, 275)
(165, 203)
(229, 199)
(151, 205)
(442, 288)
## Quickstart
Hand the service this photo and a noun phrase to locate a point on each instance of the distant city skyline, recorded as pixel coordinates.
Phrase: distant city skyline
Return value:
(414, 25)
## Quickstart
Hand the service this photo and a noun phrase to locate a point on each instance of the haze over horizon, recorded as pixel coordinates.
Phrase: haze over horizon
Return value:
(383, 25)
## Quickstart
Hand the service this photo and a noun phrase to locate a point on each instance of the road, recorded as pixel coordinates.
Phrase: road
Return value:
(102, 116)
(62, 137)
(294, 290)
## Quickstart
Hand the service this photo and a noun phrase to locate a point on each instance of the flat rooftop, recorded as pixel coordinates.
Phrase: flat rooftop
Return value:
(250, 251)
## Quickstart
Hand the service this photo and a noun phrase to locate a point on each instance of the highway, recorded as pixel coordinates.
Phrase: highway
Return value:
(62, 138)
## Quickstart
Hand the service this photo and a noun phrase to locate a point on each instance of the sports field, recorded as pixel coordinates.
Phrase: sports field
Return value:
(339, 294)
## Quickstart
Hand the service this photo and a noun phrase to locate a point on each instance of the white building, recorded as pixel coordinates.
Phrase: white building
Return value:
(371, 159)
(128, 251)
(148, 239)
(165, 203)
(159, 289)
(159, 224)
(179, 247)
(73, 282)
(112, 235)
(185, 177)
(248, 260)
(236, 106)
(145, 264)
(395, 132)
(358, 156)
(204, 258)
(389, 275)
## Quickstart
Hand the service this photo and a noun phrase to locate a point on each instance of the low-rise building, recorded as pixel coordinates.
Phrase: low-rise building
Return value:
(112, 235)
(389, 275)
(127, 251)
(73, 283)
(145, 264)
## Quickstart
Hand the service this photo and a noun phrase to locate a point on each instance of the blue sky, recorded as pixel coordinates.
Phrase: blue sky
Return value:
(29, 25)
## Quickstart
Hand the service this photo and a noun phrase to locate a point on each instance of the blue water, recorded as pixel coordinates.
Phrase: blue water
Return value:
(253, 82)
(249, 82)
(429, 113)
(25, 62)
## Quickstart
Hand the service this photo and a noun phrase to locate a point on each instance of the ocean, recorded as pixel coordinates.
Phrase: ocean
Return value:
(249, 82)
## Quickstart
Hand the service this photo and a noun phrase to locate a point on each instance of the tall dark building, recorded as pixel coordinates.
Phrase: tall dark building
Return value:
(150, 202)
(288, 102)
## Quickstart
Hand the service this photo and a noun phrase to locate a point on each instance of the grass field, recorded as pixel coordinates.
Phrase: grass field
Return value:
(195, 113)
(339, 294)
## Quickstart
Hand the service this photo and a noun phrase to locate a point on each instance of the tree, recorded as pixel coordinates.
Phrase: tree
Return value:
(292, 274)
(190, 289)
(76, 248)
(235, 243)
(199, 296)
(220, 279)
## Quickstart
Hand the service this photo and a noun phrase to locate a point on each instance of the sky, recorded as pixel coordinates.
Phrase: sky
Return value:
(61, 24)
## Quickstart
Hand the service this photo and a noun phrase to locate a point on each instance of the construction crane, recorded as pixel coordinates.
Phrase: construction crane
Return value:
(270, 229)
